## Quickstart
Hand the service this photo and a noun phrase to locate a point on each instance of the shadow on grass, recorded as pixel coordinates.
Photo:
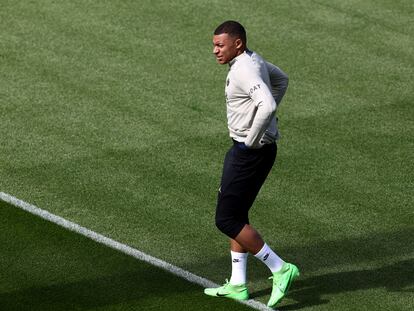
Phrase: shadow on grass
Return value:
(47, 268)
(148, 289)
(85, 294)
(394, 278)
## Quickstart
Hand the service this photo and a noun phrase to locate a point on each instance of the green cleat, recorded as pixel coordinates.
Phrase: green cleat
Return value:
(238, 292)
(281, 283)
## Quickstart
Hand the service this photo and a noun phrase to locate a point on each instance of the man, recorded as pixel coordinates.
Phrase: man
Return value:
(254, 88)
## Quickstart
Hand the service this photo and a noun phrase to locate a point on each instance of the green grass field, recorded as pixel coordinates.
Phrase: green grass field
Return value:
(112, 115)
(49, 268)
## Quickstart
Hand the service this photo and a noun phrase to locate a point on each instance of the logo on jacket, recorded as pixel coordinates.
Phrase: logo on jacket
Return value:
(253, 89)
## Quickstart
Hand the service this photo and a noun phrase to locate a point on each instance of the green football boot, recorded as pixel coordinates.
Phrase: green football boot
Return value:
(281, 283)
(238, 292)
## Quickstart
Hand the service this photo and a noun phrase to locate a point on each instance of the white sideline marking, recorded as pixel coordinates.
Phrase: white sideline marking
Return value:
(120, 247)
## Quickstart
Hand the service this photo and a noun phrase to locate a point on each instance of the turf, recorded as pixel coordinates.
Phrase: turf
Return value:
(45, 267)
(113, 116)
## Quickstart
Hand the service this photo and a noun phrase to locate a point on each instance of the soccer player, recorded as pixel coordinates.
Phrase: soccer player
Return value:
(253, 90)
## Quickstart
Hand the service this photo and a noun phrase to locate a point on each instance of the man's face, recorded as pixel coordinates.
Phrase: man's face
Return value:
(226, 47)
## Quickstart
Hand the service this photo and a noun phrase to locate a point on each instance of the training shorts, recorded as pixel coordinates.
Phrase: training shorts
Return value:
(244, 172)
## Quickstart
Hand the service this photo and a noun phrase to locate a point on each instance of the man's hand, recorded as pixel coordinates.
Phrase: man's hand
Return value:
(268, 138)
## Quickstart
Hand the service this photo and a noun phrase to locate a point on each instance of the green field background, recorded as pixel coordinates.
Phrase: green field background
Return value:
(49, 268)
(113, 116)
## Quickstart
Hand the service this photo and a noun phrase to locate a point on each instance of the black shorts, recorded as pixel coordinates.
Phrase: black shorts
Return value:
(244, 173)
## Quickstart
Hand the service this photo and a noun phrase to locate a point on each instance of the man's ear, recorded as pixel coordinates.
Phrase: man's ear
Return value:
(239, 43)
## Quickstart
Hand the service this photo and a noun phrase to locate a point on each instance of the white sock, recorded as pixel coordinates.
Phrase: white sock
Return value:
(238, 268)
(269, 258)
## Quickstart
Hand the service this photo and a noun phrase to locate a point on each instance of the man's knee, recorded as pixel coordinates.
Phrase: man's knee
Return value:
(229, 226)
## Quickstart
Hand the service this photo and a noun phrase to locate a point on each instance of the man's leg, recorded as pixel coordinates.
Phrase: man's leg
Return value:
(252, 241)
(235, 288)
(238, 263)
(249, 240)
(243, 175)
(227, 208)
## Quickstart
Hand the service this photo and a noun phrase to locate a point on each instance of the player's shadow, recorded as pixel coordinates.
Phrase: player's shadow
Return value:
(397, 277)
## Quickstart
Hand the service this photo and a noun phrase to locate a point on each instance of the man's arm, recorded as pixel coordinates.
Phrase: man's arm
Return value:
(265, 109)
(279, 81)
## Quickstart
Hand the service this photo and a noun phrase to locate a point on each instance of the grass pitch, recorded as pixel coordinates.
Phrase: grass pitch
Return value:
(113, 116)
(45, 267)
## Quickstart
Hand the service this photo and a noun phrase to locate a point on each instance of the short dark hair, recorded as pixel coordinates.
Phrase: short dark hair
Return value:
(233, 28)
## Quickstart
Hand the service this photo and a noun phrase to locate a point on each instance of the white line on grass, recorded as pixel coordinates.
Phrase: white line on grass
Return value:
(119, 246)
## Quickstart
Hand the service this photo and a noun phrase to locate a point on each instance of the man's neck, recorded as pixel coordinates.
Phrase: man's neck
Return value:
(240, 52)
